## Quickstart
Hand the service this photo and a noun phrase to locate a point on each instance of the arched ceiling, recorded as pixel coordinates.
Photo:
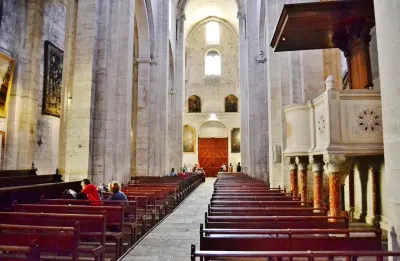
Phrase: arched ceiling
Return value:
(197, 10)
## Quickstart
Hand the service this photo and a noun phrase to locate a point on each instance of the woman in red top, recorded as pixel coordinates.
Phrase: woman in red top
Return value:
(90, 190)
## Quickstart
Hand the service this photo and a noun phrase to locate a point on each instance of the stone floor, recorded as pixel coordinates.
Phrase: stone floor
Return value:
(171, 240)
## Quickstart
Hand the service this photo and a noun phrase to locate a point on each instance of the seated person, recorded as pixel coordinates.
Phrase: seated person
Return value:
(90, 190)
(114, 187)
(172, 173)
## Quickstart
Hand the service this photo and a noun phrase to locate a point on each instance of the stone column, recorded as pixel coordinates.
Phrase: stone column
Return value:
(387, 31)
(294, 187)
(302, 163)
(335, 170)
(75, 129)
(23, 105)
(376, 200)
(318, 171)
(244, 96)
(176, 149)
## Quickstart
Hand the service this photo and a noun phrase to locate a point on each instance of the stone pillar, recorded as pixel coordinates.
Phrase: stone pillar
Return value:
(244, 96)
(79, 63)
(335, 170)
(318, 171)
(176, 149)
(23, 105)
(294, 187)
(302, 163)
(387, 31)
(376, 200)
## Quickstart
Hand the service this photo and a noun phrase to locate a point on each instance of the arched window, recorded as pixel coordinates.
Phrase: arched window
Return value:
(231, 103)
(212, 33)
(194, 103)
(213, 63)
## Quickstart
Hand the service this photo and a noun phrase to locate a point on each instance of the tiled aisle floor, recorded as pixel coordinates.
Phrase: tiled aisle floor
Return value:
(171, 239)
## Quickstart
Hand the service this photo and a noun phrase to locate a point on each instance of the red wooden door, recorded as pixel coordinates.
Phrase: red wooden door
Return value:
(213, 152)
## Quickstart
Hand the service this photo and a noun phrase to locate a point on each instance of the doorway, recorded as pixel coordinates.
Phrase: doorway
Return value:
(213, 152)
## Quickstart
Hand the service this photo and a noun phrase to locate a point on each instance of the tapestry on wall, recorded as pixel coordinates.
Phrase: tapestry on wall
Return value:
(189, 139)
(53, 67)
(235, 140)
(6, 76)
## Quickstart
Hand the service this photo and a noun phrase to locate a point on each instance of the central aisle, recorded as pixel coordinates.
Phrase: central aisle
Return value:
(171, 239)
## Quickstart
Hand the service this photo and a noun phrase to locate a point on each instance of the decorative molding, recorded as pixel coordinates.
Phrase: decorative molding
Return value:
(261, 58)
(288, 130)
(334, 163)
(321, 124)
(369, 121)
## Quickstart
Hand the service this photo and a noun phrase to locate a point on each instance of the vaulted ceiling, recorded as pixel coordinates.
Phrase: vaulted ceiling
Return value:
(197, 10)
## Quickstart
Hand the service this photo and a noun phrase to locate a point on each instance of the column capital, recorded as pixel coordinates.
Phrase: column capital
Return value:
(302, 163)
(181, 16)
(317, 164)
(374, 165)
(334, 163)
(292, 166)
(241, 15)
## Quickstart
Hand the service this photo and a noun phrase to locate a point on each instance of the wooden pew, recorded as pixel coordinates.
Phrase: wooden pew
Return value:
(19, 172)
(114, 218)
(54, 242)
(20, 253)
(290, 255)
(276, 222)
(28, 180)
(31, 194)
(130, 212)
(290, 239)
(266, 211)
(259, 203)
(90, 226)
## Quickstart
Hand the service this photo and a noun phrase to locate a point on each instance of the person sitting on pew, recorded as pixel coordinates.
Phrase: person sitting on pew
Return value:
(114, 187)
(172, 173)
(90, 190)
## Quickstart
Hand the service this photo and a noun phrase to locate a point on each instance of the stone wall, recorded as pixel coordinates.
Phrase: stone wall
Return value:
(212, 90)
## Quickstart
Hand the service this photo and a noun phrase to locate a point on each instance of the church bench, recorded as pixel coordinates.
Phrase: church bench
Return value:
(267, 211)
(114, 219)
(228, 196)
(259, 203)
(171, 191)
(91, 227)
(33, 193)
(265, 199)
(246, 194)
(287, 255)
(19, 253)
(28, 180)
(161, 198)
(291, 239)
(276, 222)
(19, 172)
(55, 243)
(130, 212)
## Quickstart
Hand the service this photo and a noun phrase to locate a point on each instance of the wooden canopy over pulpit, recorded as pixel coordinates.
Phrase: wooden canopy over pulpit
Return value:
(335, 24)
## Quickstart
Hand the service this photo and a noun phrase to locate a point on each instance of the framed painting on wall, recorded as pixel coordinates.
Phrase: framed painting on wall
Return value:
(6, 76)
(235, 140)
(52, 83)
(189, 139)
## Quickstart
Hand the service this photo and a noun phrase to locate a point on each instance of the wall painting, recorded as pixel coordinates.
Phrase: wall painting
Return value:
(6, 76)
(235, 140)
(53, 67)
(189, 139)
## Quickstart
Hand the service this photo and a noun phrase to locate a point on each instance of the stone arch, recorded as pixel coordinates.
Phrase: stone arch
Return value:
(181, 6)
(209, 19)
(213, 129)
